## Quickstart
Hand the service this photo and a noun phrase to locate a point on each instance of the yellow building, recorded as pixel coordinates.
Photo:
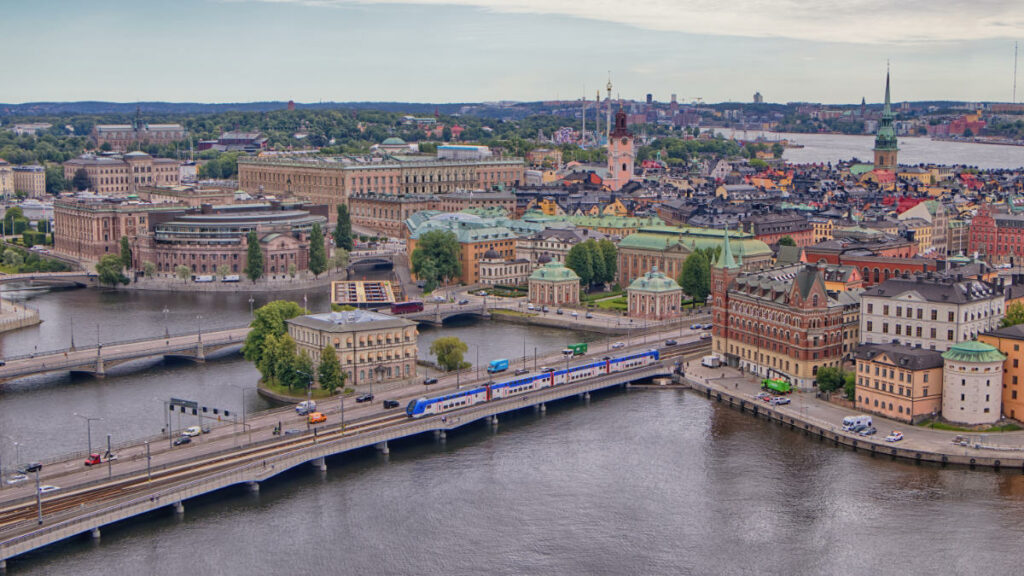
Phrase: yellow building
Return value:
(30, 181)
(823, 228)
(615, 208)
(6, 179)
(1010, 341)
(899, 382)
(922, 230)
(549, 207)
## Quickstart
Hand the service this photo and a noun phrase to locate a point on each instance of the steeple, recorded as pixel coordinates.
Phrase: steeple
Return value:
(887, 111)
(727, 261)
(886, 147)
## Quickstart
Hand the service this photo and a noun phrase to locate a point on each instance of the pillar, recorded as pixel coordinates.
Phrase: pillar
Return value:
(254, 487)
(383, 448)
(179, 508)
(95, 533)
(100, 372)
(321, 464)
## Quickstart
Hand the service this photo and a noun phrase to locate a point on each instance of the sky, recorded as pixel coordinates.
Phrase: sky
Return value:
(486, 50)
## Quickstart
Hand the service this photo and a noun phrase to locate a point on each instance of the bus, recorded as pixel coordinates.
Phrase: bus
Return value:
(407, 307)
(777, 386)
(575, 349)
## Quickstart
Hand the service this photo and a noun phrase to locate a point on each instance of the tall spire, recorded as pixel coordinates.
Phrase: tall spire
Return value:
(727, 260)
(888, 109)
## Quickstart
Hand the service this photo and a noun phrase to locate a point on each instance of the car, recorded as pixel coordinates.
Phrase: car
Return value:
(559, 311)
(317, 418)
(192, 431)
(545, 309)
(705, 335)
(16, 478)
(3, 363)
(437, 299)
(589, 315)
(894, 436)
(761, 395)
(531, 307)
(869, 431)
(182, 440)
(463, 302)
(575, 314)
(292, 432)
(618, 345)
(696, 326)
(388, 404)
(780, 400)
(47, 488)
(30, 468)
(97, 458)
(364, 398)
(858, 428)
(767, 399)
(421, 284)
(522, 371)
(606, 358)
(706, 327)
(482, 293)
(547, 369)
(429, 381)
(670, 342)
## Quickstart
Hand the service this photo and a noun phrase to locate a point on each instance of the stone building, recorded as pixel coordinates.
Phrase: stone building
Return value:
(121, 137)
(973, 379)
(87, 228)
(498, 271)
(654, 296)
(553, 244)
(899, 382)
(377, 351)
(886, 148)
(477, 236)
(6, 179)
(554, 285)
(124, 175)
(1010, 341)
(387, 213)
(30, 180)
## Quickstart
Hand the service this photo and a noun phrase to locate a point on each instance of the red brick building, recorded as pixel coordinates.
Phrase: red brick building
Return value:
(996, 237)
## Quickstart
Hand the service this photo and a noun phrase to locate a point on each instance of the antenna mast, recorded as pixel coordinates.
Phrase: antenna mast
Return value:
(1015, 72)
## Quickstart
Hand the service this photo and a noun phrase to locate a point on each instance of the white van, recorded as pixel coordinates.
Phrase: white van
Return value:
(203, 279)
(305, 407)
(853, 421)
(711, 361)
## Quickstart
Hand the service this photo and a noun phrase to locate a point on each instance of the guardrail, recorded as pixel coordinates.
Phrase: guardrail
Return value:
(212, 333)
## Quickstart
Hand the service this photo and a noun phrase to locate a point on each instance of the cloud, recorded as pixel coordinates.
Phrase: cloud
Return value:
(848, 21)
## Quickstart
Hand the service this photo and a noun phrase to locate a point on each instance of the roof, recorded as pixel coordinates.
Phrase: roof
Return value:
(654, 281)
(1015, 332)
(974, 351)
(554, 271)
(942, 289)
(350, 321)
(393, 141)
(901, 356)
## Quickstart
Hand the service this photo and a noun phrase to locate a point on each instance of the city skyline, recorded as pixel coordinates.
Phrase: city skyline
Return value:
(520, 50)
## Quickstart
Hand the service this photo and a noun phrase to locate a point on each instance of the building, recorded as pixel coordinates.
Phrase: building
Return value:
(462, 152)
(362, 293)
(667, 248)
(997, 236)
(122, 137)
(549, 157)
(935, 214)
(124, 175)
(191, 196)
(6, 179)
(886, 148)
(477, 236)
(972, 388)
(770, 228)
(251, 142)
(552, 244)
(377, 352)
(777, 323)
(29, 180)
(878, 256)
(30, 128)
(554, 285)
(654, 296)
(333, 180)
(498, 271)
(899, 382)
(1010, 341)
(621, 155)
(929, 311)
(89, 227)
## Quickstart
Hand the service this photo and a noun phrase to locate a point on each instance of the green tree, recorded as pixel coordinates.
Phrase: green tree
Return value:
(55, 182)
(340, 258)
(436, 258)
(1014, 315)
(850, 386)
(12, 258)
(579, 260)
(787, 241)
(268, 320)
(446, 134)
(611, 259)
(317, 251)
(106, 147)
(43, 226)
(329, 371)
(829, 378)
(758, 164)
(254, 257)
(343, 229)
(109, 270)
(449, 351)
(183, 272)
(223, 270)
(777, 150)
(126, 253)
(292, 269)
(695, 276)
(149, 269)
(10, 216)
(296, 370)
(81, 180)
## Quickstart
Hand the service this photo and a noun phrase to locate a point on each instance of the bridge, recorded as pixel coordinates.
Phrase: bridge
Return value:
(97, 359)
(86, 508)
(52, 278)
(436, 312)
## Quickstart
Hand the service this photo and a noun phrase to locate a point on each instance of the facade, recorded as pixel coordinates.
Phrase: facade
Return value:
(376, 351)
(497, 271)
(87, 228)
(654, 296)
(972, 389)
(477, 237)
(899, 382)
(386, 213)
(929, 311)
(1010, 341)
(935, 214)
(554, 285)
(332, 181)
(823, 228)
(886, 147)
(121, 137)
(997, 236)
(29, 180)
(621, 155)
(552, 244)
(124, 175)
(770, 228)
(667, 248)
(6, 179)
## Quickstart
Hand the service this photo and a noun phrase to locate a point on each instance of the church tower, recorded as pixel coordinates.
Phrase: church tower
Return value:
(723, 272)
(885, 139)
(620, 153)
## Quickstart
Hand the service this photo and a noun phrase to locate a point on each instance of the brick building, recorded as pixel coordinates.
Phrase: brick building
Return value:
(667, 248)
(124, 175)
(770, 228)
(996, 236)
(87, 228)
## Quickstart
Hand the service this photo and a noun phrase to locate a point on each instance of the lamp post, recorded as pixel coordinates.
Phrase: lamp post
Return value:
(99, 346)
(167, 328)
(72, 332)
(199, 318)
(88, 427)
(149, 462)
(252, 313)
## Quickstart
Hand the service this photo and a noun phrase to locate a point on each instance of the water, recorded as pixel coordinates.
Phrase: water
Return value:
(822, 148)
(635, 482)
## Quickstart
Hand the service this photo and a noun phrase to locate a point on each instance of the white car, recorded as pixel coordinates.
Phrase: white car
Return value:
(192, 431)
(894, 436)
(16, 478)
(531, 307)
(47, 488)
(618, 345)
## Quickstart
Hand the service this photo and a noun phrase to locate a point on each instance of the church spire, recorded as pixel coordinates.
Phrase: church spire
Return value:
(727, 261)
(887, 111)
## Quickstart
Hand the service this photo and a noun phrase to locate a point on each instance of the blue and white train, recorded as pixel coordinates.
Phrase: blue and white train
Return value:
(522, 385)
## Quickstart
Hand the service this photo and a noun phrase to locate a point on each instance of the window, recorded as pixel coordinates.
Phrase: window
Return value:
(885, 310)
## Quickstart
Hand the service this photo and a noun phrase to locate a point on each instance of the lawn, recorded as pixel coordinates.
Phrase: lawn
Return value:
(297, 393)
(617, 303)
(585, 297)
(943, 426)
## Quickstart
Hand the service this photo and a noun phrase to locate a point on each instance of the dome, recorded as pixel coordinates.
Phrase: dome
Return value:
(973, 351)
(393, 141)
(554, 271)
(492, 254)
(654, 281)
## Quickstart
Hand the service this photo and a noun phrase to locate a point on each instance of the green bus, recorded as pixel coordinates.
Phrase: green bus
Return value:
(777, 386)
(575, 349)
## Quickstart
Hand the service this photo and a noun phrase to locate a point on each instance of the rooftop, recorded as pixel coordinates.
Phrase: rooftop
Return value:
(974, 351)
(350, 321)
(900, 356)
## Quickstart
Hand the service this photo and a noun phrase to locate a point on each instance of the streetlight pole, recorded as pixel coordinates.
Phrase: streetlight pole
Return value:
(199, 317)
(149, 462)
(88, 427)
(39, 497)
(252, 314)
(72, 332)
(98, 345)
(167, 329)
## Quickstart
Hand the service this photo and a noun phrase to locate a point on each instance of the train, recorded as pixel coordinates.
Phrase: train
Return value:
(494, 391)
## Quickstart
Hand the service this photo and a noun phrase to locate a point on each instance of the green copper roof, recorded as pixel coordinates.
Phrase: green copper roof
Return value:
(585, 221)
(742, 245)
(885, 137)
(554, 271)
(974, 351)
(727, 261)
(654, 281)
(393, 141)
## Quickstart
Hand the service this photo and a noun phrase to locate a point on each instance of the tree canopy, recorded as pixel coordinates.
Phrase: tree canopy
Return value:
(329, 372)
(449, 351)
(254, 257)
(436, 258)
(343, 229)
(126, 253)
(787, 241)
(695, 276)
(268, 320)
(595, 262)
(109, 270)
(81, 180)
(1014, 315)
(317, 251)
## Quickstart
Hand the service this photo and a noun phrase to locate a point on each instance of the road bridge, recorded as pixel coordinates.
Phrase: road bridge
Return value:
(87, 508)
(97, 359)
(437, 313)
(51, 279)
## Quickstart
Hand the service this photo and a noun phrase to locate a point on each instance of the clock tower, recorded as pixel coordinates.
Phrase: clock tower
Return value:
(620, 153)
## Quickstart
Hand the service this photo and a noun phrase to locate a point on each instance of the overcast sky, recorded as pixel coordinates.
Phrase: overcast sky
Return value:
(482, 50)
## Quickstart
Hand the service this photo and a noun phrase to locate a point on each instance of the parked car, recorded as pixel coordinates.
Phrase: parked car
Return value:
(192, 431)
(463, 302)
(780, 400)
(522, 371)
(388, 404)
(531, 307)
(364, 398)
(47, 488)
(670, 342)
(182, 440)
(894, 436)
(292, 432)
(707, 327)
(429, 381)
(29, 468)
(317, 417)
(696, 326)
(858, 428)
(575, 314)
(16, 478)
(2, 363)
(618, 345)
(869, 431)
(589, 315)
(559, 311)
(761, 395)
(545, 309)
(547, 369)
(97, 458)
(482, 293)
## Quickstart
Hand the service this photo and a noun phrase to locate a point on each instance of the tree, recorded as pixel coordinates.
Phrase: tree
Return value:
(43, 226)
(968, 133)
(1014, 315)
(10, 216)
(268, 320)
(579, 260)
(12, 258)
(106, 147)
(183, 272)
(81, 180)
(787, 241)
(850, 386)
(611, 259)
(317, 251)
(55, 182)
(449, 351)
(296, 370)
(695, 277)
(292, 269)
(596, 261)
(149, 269)
(329, 372)
(223, 270)
(126, 253)
(436, 257)
(829, 378)
(758, 164)
(446, 134)
(254, 257)
(343, 229)
(340, 258)
(109, 270)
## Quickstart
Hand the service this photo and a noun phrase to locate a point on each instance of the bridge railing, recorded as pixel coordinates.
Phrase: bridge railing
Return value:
(92, 346)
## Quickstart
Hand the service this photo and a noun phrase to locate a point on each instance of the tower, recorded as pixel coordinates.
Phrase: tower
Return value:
(620, 153)
(723, 273)
(885, 139)
(608, 114)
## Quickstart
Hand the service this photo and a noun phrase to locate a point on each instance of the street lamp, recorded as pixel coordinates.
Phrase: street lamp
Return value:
(309, 390)
(72, 332)
(88, 427)
(99, 346)
(199, 317)
(167, 329)
(252, 314)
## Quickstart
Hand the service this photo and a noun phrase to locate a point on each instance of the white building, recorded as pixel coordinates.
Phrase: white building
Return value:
(972, 383)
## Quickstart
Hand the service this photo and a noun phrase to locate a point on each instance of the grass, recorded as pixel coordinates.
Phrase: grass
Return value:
(511, 312)
(943, 426)
(585, 297)
(617, 303)
(297, 393)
